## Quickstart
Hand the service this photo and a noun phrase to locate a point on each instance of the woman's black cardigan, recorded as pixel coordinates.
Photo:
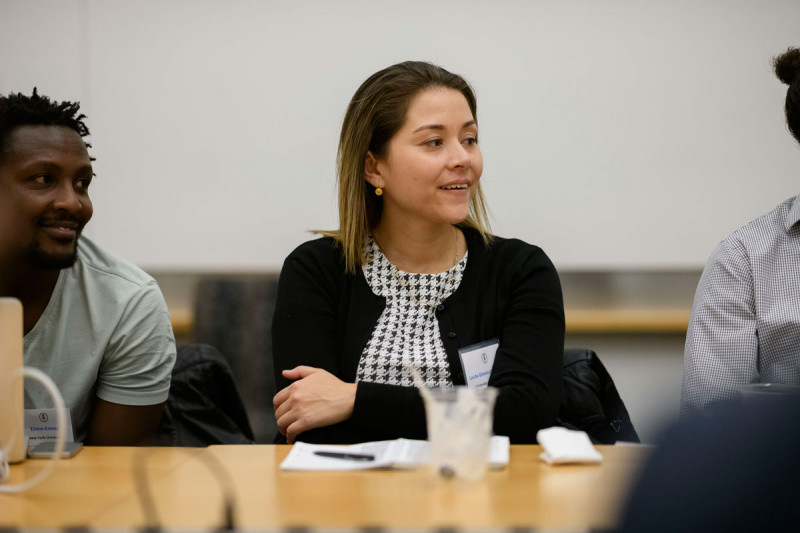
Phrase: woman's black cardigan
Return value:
(509, 291)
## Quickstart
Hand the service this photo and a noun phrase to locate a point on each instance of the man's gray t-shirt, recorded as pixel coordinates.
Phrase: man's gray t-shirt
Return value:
(105, 333)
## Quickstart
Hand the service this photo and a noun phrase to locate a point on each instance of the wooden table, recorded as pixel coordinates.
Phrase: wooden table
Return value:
(96, 479)
(96, 489)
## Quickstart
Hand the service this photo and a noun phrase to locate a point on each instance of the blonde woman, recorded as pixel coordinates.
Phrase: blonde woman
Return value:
(413, 276)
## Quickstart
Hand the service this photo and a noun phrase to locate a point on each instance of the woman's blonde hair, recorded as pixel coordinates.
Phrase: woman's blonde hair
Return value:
(376, 112)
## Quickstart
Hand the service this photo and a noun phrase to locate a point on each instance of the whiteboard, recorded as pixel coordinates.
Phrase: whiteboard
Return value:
(617, 135)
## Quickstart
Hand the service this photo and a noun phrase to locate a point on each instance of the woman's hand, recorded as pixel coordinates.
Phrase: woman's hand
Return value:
(316, 399)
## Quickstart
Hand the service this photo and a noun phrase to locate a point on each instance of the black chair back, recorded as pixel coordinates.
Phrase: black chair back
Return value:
(591, 402)
(204, 406)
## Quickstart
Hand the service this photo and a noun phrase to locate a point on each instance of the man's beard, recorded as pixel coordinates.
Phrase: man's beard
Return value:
(37, 257)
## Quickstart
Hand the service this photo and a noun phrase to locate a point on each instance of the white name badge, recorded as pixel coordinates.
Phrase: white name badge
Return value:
(41, 425)
(477, 361)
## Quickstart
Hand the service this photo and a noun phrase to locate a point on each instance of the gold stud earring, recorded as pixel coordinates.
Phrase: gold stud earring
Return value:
(378, 191)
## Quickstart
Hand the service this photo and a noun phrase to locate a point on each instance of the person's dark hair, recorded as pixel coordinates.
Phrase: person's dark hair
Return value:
(36, 110)
(787, 68)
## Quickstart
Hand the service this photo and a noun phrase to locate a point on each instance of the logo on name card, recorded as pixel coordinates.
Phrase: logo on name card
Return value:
(484, 357)
(43, 417)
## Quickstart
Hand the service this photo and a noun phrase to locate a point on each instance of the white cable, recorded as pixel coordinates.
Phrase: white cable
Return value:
(61, 433)
(5, 471)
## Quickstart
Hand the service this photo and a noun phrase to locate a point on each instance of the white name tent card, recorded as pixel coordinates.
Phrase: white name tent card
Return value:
(41, 425)
(477, 361)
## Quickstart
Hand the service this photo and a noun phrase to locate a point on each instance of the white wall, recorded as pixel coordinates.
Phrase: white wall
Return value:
(617, 134)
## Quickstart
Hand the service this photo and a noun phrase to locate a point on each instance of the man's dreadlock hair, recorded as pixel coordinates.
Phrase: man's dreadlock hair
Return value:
(20, 110)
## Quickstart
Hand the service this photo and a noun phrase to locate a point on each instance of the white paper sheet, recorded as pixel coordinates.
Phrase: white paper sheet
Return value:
(398, 454)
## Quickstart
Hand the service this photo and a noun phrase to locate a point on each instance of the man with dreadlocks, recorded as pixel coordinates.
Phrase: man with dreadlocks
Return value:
(94, 323)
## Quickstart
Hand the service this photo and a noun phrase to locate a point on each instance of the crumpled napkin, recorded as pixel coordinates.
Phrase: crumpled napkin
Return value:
(563, 446)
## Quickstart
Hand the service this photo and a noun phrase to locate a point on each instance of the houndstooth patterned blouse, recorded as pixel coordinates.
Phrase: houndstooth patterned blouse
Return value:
(407, 329)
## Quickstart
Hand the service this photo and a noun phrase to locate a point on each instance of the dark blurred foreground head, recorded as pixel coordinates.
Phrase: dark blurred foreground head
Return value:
(736, 471)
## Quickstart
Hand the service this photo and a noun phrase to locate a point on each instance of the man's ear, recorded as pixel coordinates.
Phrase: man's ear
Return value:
(371, 172)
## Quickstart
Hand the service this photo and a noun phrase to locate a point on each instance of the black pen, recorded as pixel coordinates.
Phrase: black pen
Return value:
(346, 456)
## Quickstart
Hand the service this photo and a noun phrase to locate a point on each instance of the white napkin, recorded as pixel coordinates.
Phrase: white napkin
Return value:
(562, 446)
